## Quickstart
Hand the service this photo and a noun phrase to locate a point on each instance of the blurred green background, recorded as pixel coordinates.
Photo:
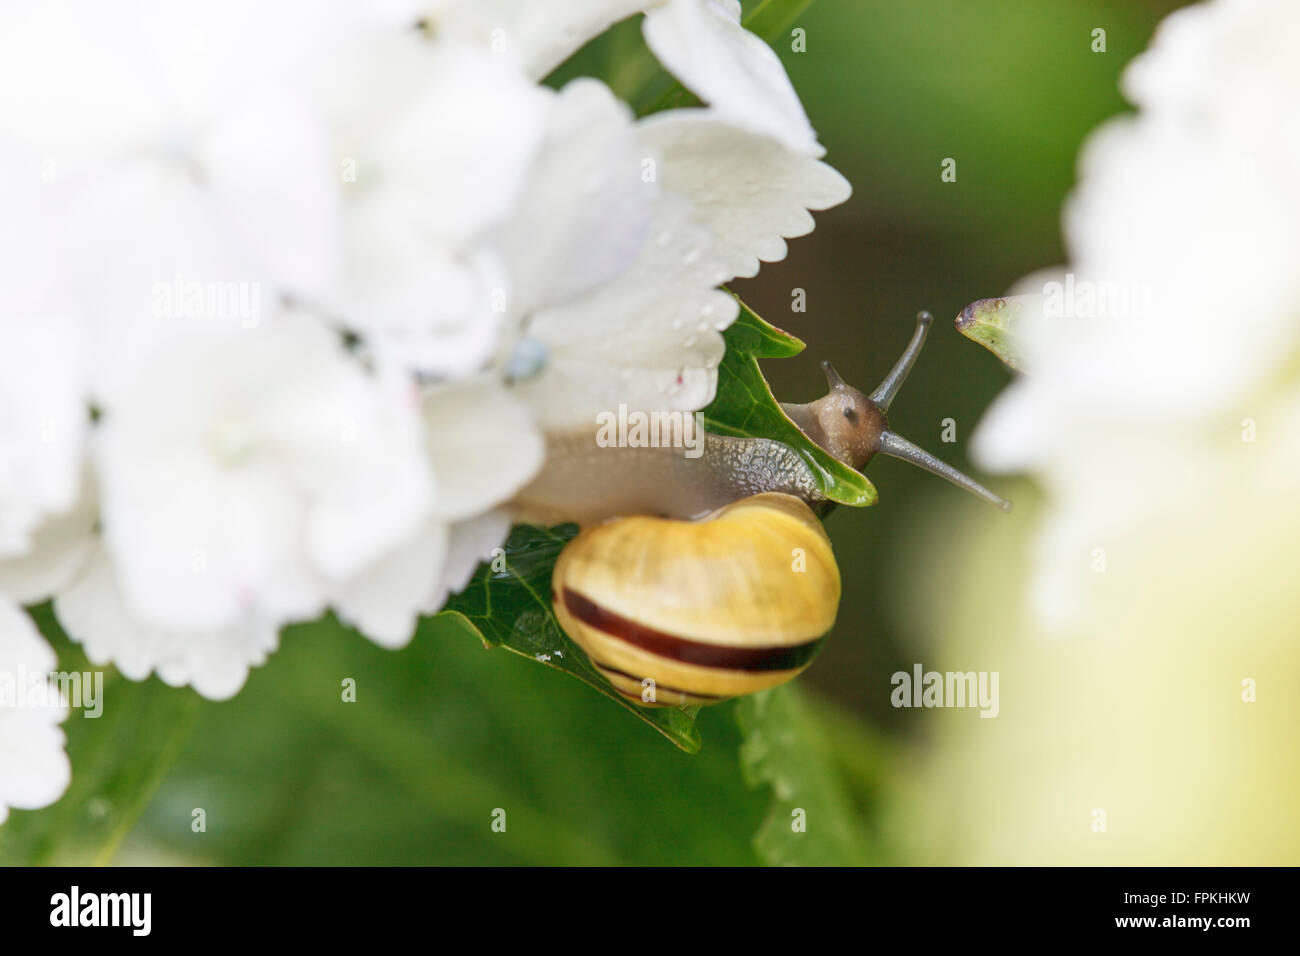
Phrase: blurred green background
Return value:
(444, 733)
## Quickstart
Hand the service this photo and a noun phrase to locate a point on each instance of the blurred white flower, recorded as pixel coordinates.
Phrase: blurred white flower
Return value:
(426, 178)
(34, 770)
(140, 125)
(44, 417)
(58, 550)
(240, 467)
(43, 423)
(539, 35)
(215, 661)
(1181, 319)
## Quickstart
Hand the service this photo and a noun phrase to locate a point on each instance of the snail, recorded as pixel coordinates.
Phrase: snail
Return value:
(697, 579)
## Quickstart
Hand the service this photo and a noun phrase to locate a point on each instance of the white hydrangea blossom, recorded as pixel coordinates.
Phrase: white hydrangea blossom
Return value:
(1184, 322)
(326, 273)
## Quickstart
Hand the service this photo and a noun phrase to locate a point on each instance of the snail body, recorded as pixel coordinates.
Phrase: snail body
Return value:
(585, 483)
(700, 578)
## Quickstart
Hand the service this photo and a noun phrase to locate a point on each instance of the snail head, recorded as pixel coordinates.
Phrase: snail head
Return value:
(853, 427)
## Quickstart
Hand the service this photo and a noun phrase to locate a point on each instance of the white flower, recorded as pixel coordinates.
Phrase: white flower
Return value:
(429, 175)
(584, 212)
(483, 447)
(93, 610)
(748, 190)
(34, 770)
(350, 168)
(44, 412)
(614, 301)
(1185, 236)
(241, 466)
(59, 549)
(44, 418)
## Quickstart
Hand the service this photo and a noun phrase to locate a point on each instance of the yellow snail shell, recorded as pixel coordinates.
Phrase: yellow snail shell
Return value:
(733, 603)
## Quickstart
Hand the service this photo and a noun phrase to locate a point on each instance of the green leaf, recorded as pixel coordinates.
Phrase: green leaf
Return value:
(744, 405)
(410, 769)
(118, 760)
(998, 325)
(812, 820)
(512, 609)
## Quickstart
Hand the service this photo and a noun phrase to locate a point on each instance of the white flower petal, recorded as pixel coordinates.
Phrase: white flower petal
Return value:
(174, 268)
(650, 338)
(472, 541)
(587, 209)
(462, 148)
(385, 600)
(483, 445)
(702, 43)
(538, 34)
(749, 189)
(44, 417)
(280, 197)
(94, 613)
(242, 463)
(417, 280)
(59, 549)
(34, 770)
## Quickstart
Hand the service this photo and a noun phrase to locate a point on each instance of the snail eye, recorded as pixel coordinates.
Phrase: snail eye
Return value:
(851, 414)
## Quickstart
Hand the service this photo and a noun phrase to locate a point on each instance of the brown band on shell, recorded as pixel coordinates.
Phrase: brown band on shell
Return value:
(775, 657)
(607, 670)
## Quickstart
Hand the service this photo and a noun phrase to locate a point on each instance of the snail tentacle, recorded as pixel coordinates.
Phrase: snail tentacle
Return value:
(896, 446)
